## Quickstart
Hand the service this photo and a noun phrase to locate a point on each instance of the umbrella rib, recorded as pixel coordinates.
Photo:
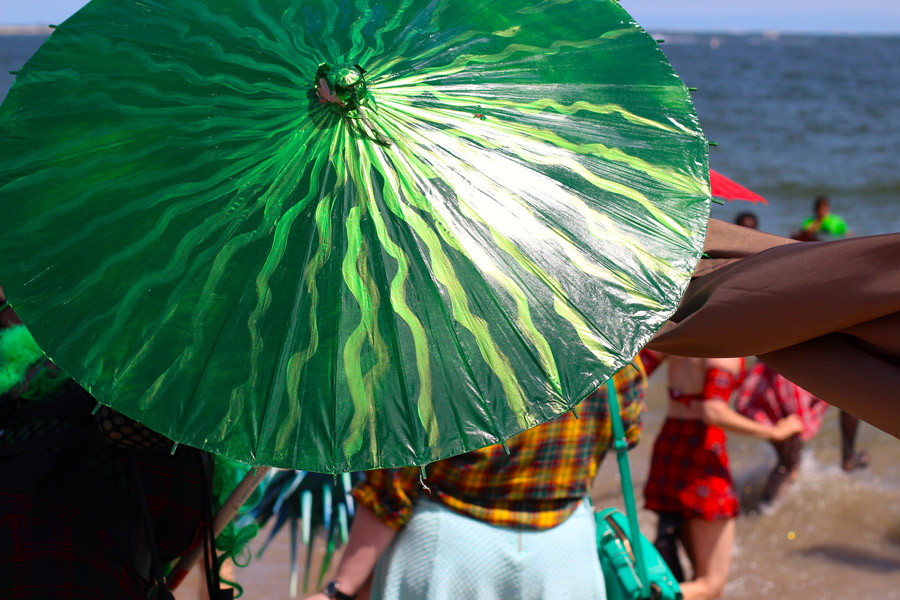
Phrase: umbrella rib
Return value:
(410, 216)
(341, 173)
(277, 193)
(425, 414)
(202, 370)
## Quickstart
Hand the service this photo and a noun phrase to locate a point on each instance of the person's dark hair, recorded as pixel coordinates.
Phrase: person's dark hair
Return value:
(819, 201)
(741, 217)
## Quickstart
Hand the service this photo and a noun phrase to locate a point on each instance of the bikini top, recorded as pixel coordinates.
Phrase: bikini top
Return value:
(682, 397)
(718, 385)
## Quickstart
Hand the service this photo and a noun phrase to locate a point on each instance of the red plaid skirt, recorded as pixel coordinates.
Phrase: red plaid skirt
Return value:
(73, 535)
(60, 556)
(689, 472)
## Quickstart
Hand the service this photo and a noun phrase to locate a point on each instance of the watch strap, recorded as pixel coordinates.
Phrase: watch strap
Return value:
(335, 594)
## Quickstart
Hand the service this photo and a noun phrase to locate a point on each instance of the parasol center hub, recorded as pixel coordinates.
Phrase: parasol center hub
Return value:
(341, 86)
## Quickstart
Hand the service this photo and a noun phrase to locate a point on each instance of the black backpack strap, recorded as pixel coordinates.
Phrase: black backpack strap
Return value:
(157, 579)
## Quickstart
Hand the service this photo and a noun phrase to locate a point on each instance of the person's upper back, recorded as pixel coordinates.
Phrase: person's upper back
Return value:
(536, 484)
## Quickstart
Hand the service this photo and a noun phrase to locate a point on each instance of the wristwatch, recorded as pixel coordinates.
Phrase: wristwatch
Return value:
(335, 594)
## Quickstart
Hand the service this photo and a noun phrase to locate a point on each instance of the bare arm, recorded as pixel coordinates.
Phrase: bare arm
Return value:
(369, 537)
(718, 413)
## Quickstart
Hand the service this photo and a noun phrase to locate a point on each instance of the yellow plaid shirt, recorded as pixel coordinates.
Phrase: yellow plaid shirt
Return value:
(548, 470)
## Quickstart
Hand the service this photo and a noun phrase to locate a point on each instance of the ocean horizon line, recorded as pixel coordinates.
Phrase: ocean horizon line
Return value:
(38, 29)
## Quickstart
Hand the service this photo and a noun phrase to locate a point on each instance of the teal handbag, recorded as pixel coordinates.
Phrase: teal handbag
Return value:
(631, 571)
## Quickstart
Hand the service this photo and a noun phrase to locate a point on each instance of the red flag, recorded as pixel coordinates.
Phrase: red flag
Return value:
(722, 187)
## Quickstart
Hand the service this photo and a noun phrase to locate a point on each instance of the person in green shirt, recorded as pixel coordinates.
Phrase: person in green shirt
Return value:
(824, 224)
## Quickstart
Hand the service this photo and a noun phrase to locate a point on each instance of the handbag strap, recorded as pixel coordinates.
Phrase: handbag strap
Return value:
(620, 444)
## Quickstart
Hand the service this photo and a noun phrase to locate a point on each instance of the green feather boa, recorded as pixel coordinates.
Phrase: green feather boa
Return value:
(18, 351)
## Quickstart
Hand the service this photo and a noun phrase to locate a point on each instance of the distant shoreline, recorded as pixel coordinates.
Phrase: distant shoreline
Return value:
(25, 30)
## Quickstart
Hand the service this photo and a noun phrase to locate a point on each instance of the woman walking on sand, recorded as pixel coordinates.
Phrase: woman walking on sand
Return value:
(689, 485)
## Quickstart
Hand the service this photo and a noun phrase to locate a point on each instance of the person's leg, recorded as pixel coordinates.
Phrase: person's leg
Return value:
(667, 532)
(850, 459)
(787, 468)
(708, 545)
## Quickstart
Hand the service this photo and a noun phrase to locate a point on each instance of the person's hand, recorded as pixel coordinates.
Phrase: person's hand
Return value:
(318, 596)
(786, 427)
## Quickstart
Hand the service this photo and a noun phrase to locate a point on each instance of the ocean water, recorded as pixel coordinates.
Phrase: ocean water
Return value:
(794, 117)
(15, 50)
(798, 116)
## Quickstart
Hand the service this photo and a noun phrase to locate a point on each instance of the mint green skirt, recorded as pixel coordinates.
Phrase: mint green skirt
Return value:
(443, 555)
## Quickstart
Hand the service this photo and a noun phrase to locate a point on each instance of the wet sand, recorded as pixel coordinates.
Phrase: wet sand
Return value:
(832, 536)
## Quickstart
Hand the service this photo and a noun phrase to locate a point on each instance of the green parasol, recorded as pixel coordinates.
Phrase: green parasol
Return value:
(338, 236)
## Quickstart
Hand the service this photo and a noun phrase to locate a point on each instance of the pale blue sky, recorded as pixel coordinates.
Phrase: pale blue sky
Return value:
(847, 16)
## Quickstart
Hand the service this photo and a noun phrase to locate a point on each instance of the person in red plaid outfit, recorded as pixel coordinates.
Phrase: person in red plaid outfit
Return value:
(689, 485)
(767, 396)
(501, 522)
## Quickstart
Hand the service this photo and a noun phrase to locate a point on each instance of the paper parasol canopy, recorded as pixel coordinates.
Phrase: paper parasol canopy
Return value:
(338, 236)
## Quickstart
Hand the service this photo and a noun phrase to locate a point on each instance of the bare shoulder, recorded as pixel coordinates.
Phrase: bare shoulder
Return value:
(732, 365)
(685, 362)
